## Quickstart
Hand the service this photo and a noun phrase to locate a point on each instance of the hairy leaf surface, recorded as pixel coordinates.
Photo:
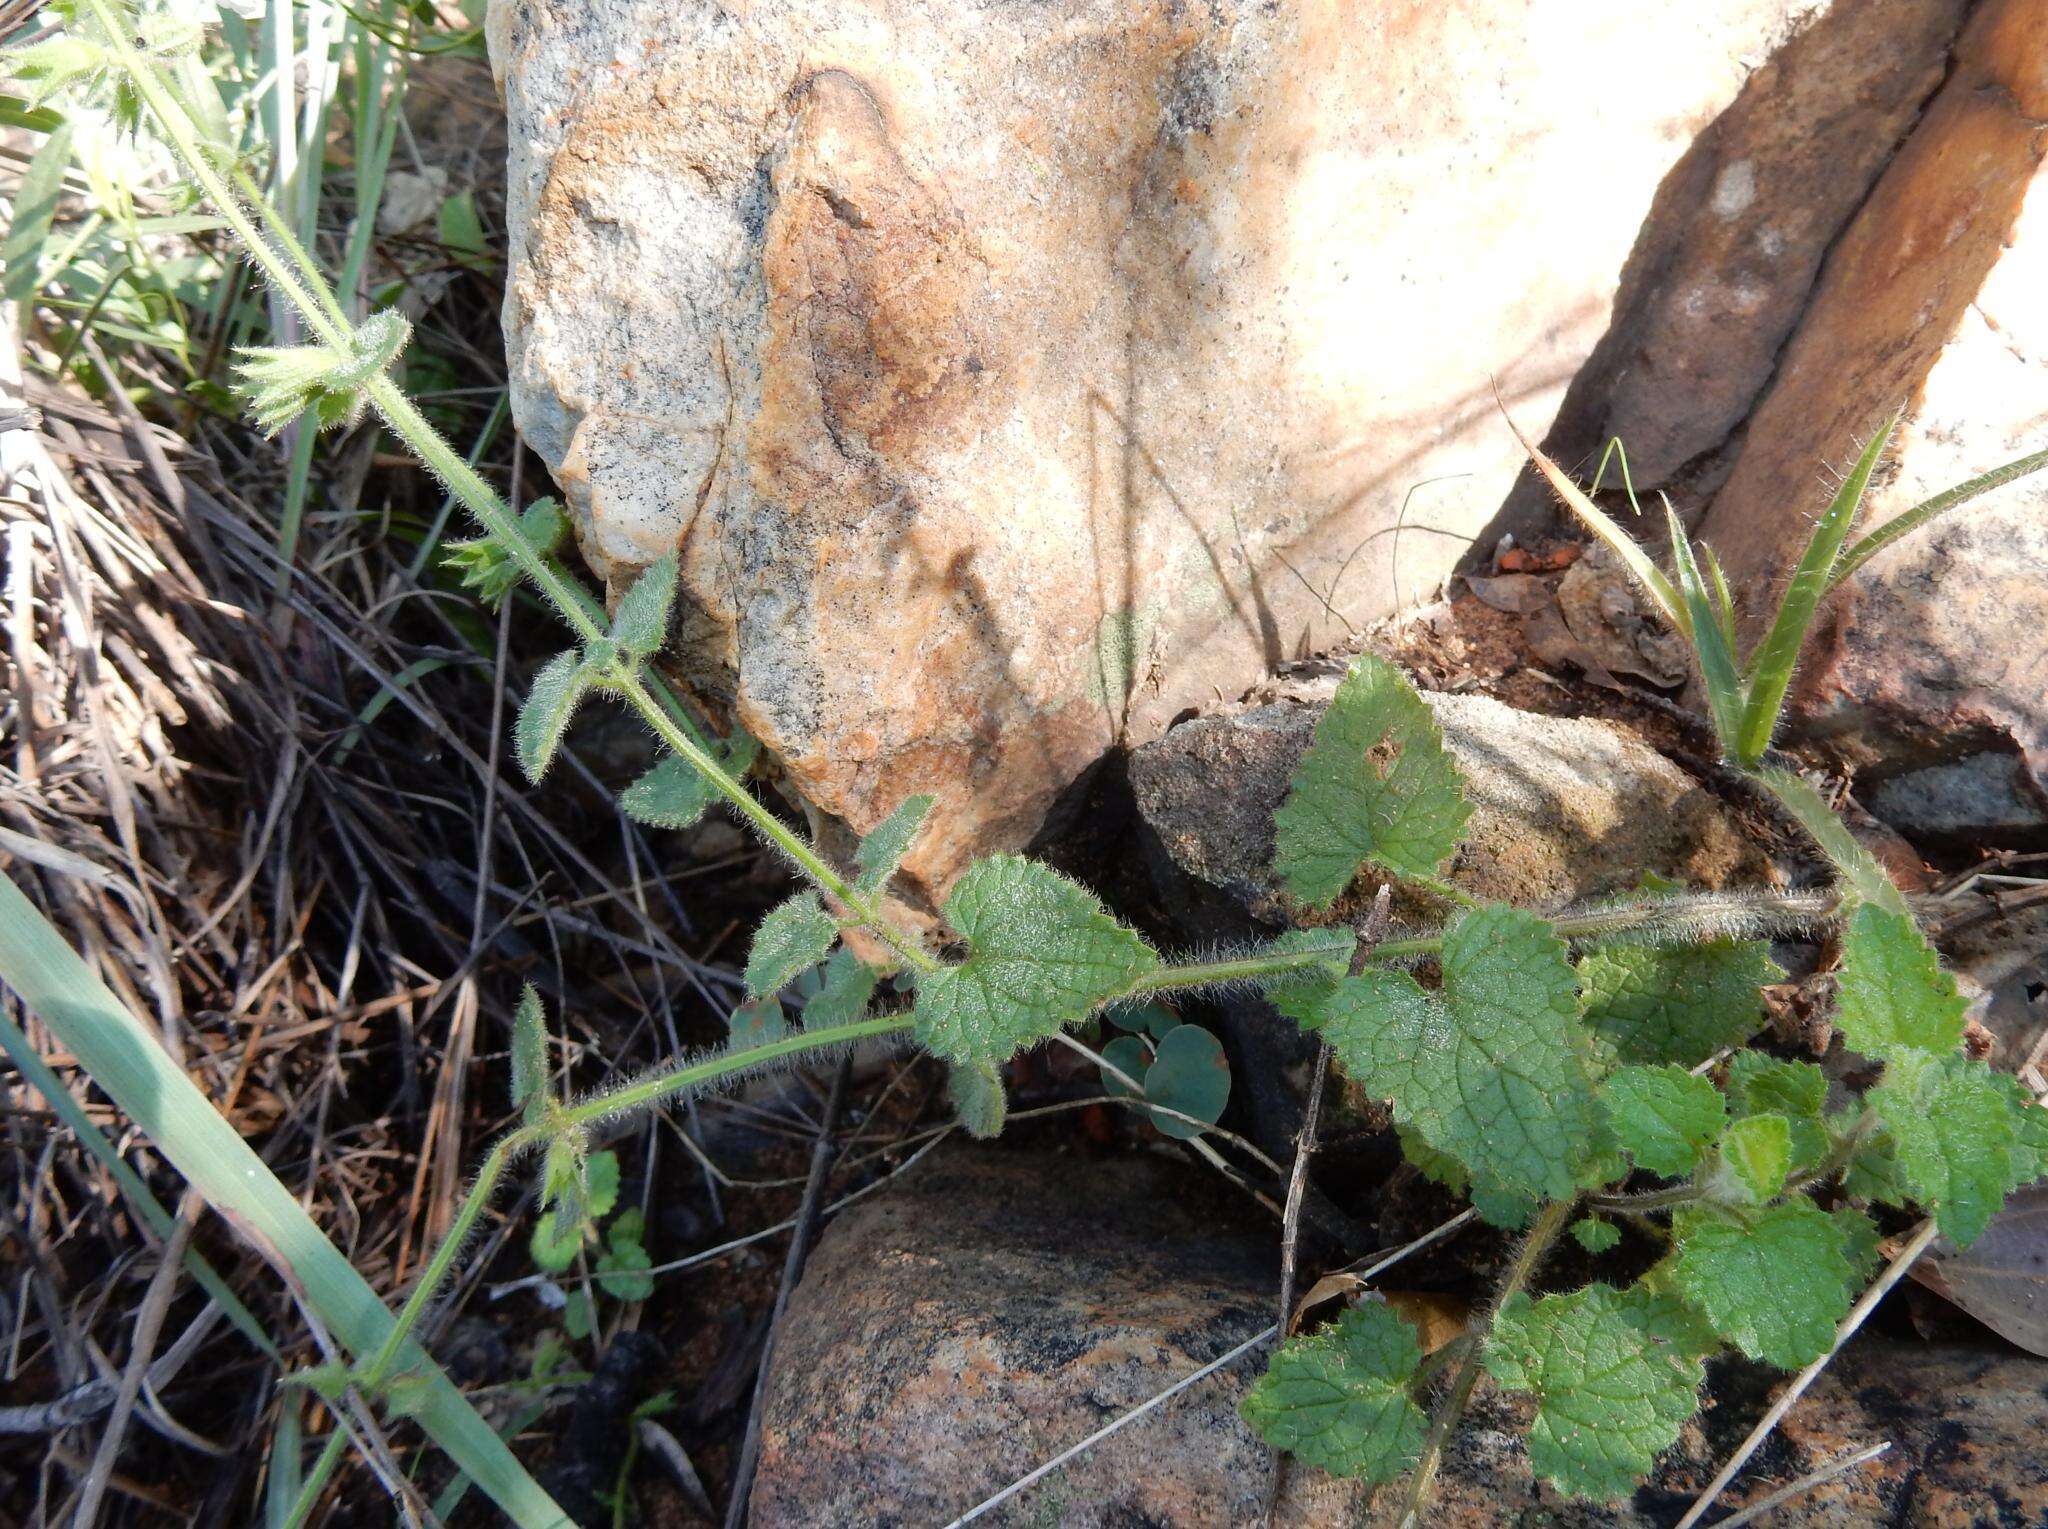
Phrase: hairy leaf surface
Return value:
(883, 850)
(1492, 1069)
(1893, 996)
(550, 705)
(1664, 1117)
(1764, 1085)
(1756, 1155)
(1773, 1282)
(1339, 1399)
(1042, 954)
(1614, 1378)
(978, 1099)
(1376, 785)
(1674, 1003)
(1964, 1138)
(640, 625)
(795, 936)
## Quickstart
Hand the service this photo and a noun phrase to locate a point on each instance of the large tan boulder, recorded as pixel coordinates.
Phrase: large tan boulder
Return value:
(1012, 378)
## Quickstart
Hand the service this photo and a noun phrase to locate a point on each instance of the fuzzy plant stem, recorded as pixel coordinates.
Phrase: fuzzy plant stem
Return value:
(1550, 1222)
(1658, 921)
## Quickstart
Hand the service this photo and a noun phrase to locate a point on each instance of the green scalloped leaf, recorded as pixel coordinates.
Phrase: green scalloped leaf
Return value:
(1764, 1085)
(1043, 953)
(1614, 1377)
(1893, 997)
(978, 1099)
(844, 990)
(1339, 1399)
(1377, 785)
(1964, 1137)
(1491, 1069)
(1755, 1157)
(1595, 1235)
(795, 936)
(1663, 1117)
(1773, 1282)
(1675, 1003)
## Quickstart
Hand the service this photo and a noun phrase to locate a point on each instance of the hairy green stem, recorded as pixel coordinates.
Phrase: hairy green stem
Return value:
(1673, 920)
(1550, 1222)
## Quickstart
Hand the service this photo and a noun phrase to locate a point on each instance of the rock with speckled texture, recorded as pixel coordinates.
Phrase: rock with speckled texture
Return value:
(1011, 377)
(991, 1308)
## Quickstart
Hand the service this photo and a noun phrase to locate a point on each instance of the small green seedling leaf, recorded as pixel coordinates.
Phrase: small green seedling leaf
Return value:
(1492, 1069)
(622, 1267)
(1674, 1003)
(756, 1024)
(795, 936)
(1043, 953)
(882, 851)
(487, 567)
(640, 625)
(1773, 1282)
(329, 1381)
(1128, 1055)
(461, 230)
(601, 1184)
(579, 1315)
(978, 1099)
(1893, 996)
(1764, 1085)
(1191, 1076)
(671, 795)
(1965, 1137)
(1663, 1117)
(1596, 1235)
(674, 795)
(844, 992)
(1377, 785)
(1153, 1019)
(1755, 1157)
(1772, 664)
(1614, 1377)
(530, 1056)
(552, 1247)
(1339, 1399)
(550, 705)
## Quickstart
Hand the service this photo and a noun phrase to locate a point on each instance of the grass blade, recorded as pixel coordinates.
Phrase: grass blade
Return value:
(1709, 637)
(1772, 664)
(140, 1077)
(1619, 542)
(1921, 513)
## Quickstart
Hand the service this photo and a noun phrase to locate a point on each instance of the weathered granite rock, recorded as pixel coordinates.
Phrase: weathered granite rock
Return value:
(1010, 378)
(1735, 238)
(1985, 798)
(1933, 300)
(1563, 808)
(992, 1308)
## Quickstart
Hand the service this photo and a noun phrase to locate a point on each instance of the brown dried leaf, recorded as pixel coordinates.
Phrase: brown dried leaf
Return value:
(2001, 1279)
